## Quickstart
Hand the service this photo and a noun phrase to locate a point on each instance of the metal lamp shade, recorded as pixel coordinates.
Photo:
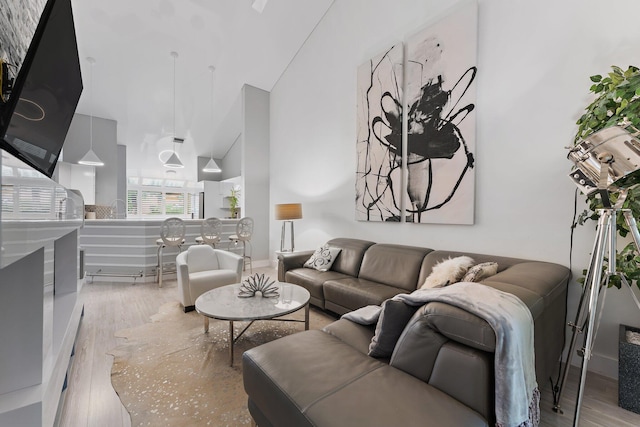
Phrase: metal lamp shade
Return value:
(615, 143)
(211, 166)
(173, 162)
(91, 159)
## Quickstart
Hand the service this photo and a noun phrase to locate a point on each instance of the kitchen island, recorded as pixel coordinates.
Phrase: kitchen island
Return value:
(126, 249)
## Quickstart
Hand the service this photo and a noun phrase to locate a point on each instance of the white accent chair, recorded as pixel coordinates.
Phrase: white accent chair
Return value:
(202, 268)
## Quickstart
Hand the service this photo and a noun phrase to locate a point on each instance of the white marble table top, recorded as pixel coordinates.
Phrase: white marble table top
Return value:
(223, 303)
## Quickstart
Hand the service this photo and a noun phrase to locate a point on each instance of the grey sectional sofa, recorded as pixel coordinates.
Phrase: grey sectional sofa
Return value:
(441, 371)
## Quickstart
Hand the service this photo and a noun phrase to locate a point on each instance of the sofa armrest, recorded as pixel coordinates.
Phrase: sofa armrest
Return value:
(289, 261)
(230, 261)
(183, 278)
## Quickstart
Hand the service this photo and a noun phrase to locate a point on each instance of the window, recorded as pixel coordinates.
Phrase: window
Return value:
(35, 200)
(28, 194)
(156, 197)
(193, 204)
(151, 203)
(152, 182)
(132, 202)
(7, 198)
(173, 183)
(174, 203)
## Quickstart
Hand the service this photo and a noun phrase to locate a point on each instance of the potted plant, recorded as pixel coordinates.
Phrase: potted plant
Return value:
(233, 201)
(618, 99)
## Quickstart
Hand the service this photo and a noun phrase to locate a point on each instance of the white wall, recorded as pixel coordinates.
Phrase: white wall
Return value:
(534, 63)
(232, 162)
(254, 195)
(106, 148)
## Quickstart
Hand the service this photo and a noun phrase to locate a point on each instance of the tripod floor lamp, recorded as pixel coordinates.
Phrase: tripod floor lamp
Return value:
(606, 162)
(287, 212)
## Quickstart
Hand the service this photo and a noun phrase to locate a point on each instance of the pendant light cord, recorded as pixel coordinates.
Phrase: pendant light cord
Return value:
(213, 69)
(175, 55)
(91, 62)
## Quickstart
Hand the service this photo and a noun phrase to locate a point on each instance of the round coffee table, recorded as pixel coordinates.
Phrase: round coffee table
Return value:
(223, 303)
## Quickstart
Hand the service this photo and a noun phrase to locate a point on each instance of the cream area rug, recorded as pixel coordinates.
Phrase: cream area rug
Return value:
(170, 373)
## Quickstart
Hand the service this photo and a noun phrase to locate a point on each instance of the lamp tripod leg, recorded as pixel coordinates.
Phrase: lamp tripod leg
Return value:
(586, 311)
(633, 227)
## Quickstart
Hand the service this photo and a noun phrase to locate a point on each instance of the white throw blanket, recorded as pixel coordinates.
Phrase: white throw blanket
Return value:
(517, 399)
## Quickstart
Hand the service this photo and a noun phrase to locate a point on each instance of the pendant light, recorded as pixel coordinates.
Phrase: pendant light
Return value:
(91, 159)
(211, 165)
(173, 161)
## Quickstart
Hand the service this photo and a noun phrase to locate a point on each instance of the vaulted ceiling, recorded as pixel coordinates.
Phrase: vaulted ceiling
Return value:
(133, 74)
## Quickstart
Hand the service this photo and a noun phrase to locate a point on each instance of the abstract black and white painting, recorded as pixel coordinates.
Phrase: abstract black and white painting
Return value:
(440, 104)
(379, 183)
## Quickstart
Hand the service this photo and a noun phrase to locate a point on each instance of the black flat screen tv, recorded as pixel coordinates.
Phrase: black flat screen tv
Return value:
(35, 119)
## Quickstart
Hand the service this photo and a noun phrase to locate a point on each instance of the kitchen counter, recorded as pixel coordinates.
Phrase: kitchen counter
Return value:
(126, 249)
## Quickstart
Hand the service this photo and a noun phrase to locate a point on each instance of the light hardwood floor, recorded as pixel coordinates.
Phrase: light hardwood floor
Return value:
(109, 307)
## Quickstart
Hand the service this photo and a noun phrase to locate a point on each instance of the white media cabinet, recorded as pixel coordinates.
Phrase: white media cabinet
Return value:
(39, 283)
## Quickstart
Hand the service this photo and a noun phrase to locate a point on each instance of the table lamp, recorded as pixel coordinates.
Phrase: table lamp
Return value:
(287, 212)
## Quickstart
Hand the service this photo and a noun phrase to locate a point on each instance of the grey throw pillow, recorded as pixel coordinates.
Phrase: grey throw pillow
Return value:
(480, 271)
(393, 318)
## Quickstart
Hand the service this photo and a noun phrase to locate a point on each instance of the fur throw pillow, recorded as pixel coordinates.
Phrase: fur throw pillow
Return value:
(448, 271)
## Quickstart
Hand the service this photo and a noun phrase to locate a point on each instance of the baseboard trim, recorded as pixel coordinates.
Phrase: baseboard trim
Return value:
(599, 364)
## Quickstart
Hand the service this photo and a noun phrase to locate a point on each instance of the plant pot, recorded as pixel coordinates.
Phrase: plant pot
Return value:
(628, 371)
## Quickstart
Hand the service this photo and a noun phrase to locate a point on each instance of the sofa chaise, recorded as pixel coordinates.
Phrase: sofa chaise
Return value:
(441, 371)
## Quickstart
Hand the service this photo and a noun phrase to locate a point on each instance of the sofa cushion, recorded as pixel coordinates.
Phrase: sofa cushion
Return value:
(323, 258)
(346, 385)
(351, 254)
(389, 397)
(393, 265)
(394, 316)
(461, 371)
(277, 375)
(352, 293)
(454, 323)
(545, 279)
(312, 281)
(354, 334)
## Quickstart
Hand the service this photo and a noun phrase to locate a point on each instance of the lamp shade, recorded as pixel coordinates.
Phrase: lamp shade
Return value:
(91, 159)
(211, 166)
(173, 162)
(288, 211)
(613, 151)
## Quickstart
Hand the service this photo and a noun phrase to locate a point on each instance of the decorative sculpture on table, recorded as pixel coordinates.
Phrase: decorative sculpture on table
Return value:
(258, 283)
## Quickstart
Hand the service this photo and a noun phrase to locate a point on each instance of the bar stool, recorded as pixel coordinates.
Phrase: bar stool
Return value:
(172, 233)
(244, 230)
(210, 232)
